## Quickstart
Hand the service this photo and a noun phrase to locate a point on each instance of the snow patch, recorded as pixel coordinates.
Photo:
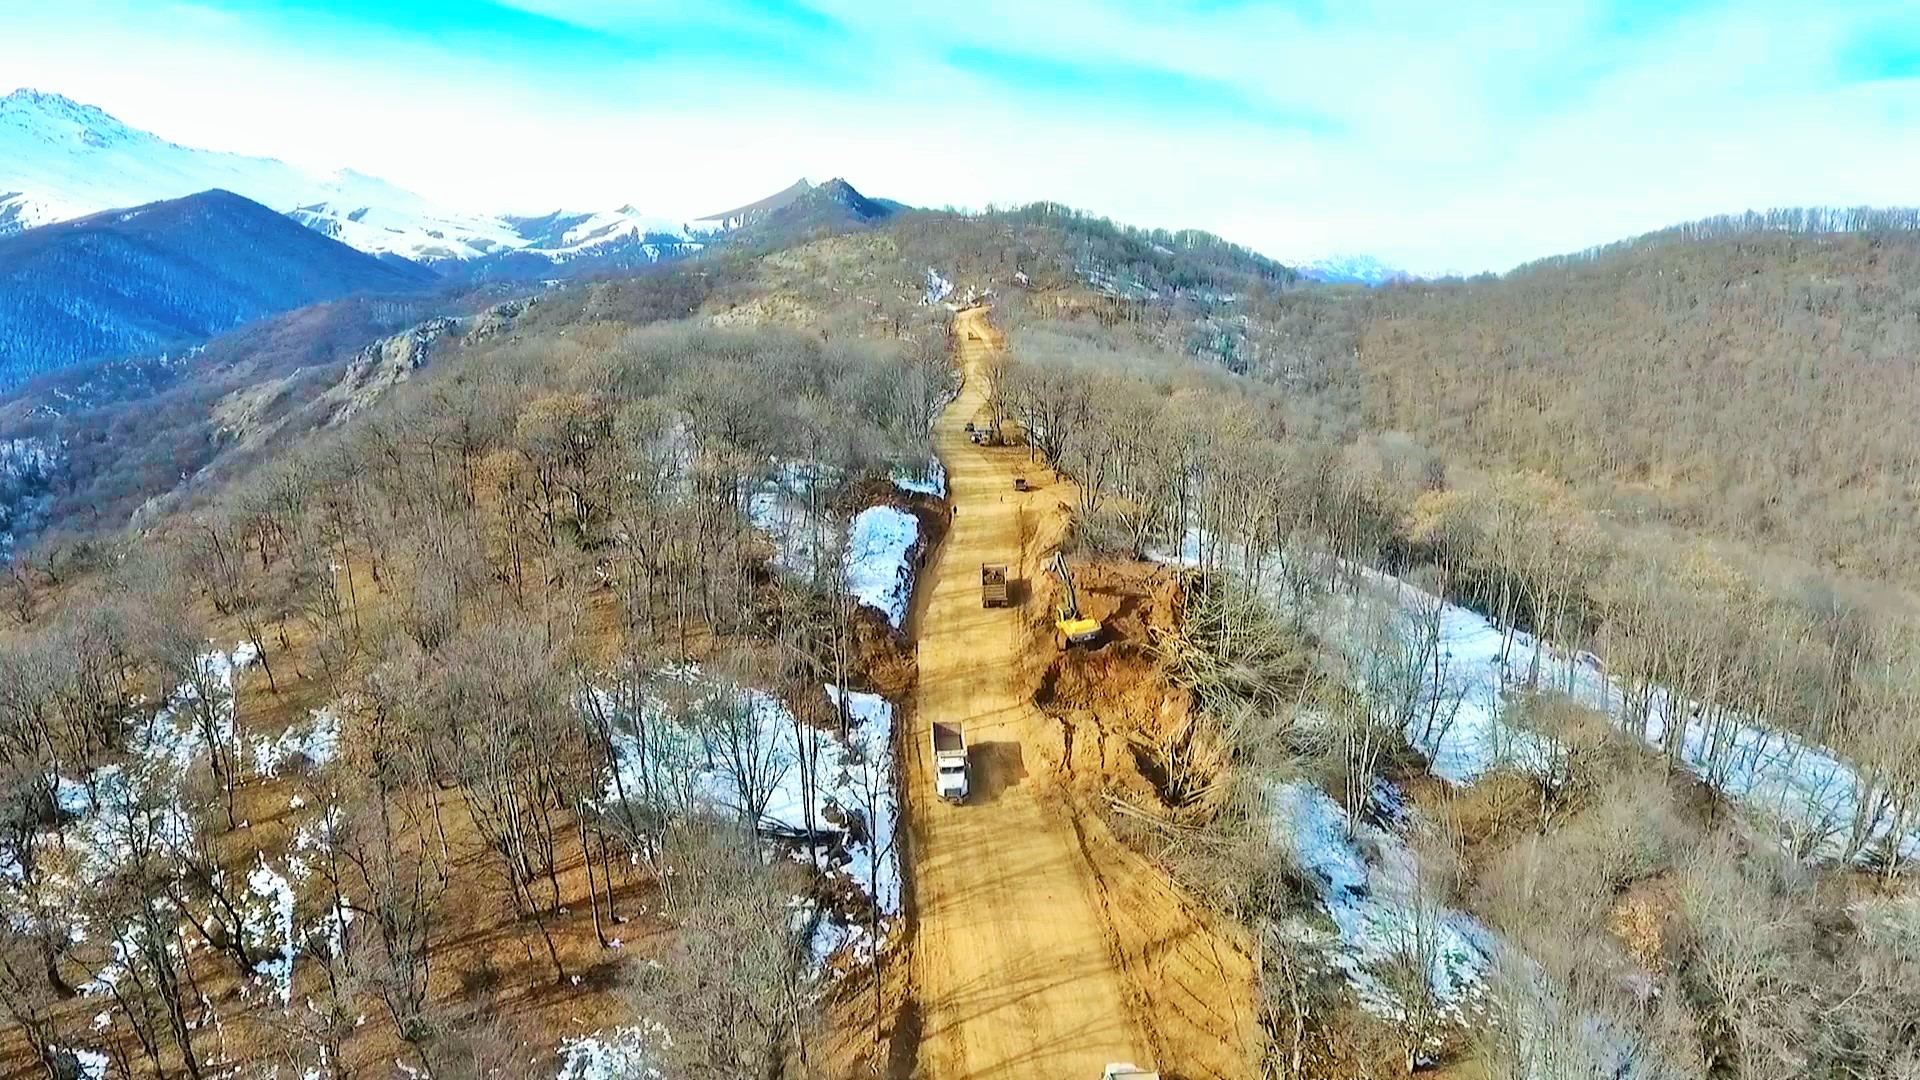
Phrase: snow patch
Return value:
(741, 751)
(931, 480)
(270, 920)
(92, 1064)
(859, 783)
(788, 508)
(316, 744)
(1809, 795)
(879, 569)
(622, 1053)
(1387, 924)
(938, 288)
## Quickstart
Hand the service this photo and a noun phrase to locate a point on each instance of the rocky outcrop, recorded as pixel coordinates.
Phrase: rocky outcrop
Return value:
(382, 366)
(498, 319)
(391, 361)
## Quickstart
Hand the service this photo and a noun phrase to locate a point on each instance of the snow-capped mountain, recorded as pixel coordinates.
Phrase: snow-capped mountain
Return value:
(562, 236)
(1354, 270)
(60, 159)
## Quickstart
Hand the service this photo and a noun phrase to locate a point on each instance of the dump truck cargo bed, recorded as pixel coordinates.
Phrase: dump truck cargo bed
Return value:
(948, 739)
(950, 777)
(993, 584)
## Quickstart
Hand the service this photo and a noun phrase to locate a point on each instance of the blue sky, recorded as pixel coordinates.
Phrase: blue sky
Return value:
(1437, 136)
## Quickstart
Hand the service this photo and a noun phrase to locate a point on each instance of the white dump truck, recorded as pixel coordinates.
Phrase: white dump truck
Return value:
(950, 762)
(1124, 1071)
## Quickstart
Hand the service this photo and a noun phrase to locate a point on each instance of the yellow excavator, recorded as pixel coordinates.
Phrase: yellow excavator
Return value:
(1069, 625)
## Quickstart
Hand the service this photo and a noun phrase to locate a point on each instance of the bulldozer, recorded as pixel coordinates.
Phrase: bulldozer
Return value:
(1070, 627)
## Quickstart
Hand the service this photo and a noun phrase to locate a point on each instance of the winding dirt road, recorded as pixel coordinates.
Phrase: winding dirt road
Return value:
(1043, 948)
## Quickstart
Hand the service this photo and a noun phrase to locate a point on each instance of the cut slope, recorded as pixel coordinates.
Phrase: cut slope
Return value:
(164, 274)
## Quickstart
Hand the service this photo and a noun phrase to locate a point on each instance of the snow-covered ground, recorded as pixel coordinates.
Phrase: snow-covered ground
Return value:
(740, 750)
(931, 480)
(730, 748)
(798, 539)
(938, 288)
(315, 743)
(622, 1053)
(124, 808)
(1805, 792)
(92, 1064)
(269, 922)
(788, 507)
(1387, 923)
(876, 545)
(861, 776)
(1389, 929)
(1809, 795)
(879, 570)
(119, 803)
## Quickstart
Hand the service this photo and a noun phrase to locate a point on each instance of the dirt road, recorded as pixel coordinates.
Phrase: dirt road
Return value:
(1020, 967)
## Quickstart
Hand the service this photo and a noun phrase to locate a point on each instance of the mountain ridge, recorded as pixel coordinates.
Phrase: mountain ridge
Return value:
(168, 273)
(61, 159)
(802, 206)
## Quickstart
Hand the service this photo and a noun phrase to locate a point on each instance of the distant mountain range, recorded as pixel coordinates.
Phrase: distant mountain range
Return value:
(168, 274)
(1354, 270)
(114, 241)
(60, 159)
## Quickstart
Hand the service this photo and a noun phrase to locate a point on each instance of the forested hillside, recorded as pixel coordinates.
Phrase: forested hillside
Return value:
(169, 274)
(590, 520)
(1752, 385)
(1741, 378)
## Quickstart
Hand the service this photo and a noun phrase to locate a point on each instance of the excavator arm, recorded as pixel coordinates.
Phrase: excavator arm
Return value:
(1073, 628)
(1071, 608)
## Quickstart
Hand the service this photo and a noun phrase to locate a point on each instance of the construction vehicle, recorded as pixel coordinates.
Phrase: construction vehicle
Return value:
(1069, 625)
(1020, 484)
(950, 762)
(1121, 1070)
(993, 585)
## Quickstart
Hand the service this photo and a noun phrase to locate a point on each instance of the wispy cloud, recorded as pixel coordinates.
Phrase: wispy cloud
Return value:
(1435, 137)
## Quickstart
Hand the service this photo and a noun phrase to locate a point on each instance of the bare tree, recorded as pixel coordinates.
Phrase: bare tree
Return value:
(728, 987)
